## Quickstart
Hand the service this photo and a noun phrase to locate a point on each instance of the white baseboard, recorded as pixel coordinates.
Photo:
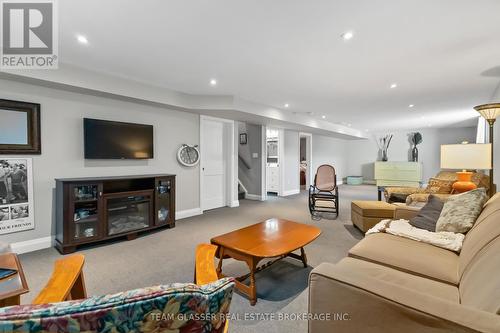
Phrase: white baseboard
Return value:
(290, 192)
(234, 204)
(188, 213)
(32, 245)
(253, 197)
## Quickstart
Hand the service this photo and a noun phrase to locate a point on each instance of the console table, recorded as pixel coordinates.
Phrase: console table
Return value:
(91, 210)
(408, 174)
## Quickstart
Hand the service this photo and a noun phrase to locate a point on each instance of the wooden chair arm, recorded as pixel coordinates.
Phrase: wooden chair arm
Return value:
(66, 282)
(204, 271)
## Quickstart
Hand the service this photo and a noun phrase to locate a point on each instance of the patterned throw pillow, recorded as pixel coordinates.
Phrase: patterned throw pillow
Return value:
(440, 186)
(461, 211)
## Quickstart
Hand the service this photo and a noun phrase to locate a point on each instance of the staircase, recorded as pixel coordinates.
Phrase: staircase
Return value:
(241, 192)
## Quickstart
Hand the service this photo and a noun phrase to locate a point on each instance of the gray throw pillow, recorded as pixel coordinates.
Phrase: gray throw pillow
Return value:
(461, 211)
(429, 214)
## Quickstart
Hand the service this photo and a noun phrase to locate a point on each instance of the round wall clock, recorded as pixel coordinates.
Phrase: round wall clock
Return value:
(188, 155)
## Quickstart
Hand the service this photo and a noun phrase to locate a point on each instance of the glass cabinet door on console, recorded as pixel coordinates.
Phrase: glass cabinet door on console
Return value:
(85, 211)
(164, 196)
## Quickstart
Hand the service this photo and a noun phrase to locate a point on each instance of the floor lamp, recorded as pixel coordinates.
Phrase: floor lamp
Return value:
(490, 112)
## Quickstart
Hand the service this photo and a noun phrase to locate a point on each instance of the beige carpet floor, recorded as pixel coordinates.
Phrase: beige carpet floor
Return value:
(168, 256)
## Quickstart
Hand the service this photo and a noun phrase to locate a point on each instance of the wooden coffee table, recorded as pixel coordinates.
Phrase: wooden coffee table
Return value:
(274, 238)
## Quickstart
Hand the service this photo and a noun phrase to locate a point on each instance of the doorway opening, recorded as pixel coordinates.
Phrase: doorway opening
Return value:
(305, 160)
(274, 159)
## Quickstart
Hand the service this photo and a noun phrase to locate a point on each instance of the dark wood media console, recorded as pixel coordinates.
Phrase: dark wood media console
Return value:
(90, 210)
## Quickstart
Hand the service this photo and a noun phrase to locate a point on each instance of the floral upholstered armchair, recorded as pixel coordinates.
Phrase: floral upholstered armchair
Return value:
(177, 307)
(171, 308)
(440, 186)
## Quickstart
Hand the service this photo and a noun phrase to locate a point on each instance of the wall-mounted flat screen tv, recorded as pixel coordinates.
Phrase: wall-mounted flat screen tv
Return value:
(105, 139)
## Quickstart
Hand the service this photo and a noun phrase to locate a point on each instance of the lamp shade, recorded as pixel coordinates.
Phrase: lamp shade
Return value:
(466, 156)
(489, 111)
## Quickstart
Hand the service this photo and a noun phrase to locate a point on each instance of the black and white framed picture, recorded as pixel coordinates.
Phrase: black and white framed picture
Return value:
(243, 139)
(16, 195)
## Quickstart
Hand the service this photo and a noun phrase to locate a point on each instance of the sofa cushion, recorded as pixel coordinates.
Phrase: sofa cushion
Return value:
(484, 231)
(461, 211)
(429, 214)
(399, 278)
(409, 256)
(373, 209)
(162, 308)
(479, 286)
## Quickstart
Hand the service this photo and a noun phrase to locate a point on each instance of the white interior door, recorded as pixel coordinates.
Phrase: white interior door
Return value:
(213, 165)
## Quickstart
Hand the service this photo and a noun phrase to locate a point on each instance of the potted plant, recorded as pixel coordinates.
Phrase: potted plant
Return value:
(416, 139)
(383, 144)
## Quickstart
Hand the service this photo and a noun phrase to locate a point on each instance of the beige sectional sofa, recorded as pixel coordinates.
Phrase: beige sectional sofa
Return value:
(394, 284)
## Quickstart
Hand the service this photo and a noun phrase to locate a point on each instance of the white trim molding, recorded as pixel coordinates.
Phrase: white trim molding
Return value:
(263, 181)
(290, 192)
(32, 245)
(188, 213)
(256, 197)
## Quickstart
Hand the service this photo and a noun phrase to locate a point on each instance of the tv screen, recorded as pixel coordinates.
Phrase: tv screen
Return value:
(116, 140)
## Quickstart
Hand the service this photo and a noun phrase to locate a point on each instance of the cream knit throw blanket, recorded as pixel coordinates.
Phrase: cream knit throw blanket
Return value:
(445, 239)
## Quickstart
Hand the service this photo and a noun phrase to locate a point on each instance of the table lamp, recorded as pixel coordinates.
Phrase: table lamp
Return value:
(466, 156)
(490, 112)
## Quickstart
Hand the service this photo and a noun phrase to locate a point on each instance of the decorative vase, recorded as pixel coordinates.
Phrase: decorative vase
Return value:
(414, 154)
(384, 155)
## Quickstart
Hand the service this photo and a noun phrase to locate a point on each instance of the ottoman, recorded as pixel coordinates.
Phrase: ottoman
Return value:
(365, 214)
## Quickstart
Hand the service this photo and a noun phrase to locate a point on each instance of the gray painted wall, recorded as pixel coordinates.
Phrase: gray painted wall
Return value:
(291, 161)
(62, 147)
(362, 153)
(327, 150)
(250, 177)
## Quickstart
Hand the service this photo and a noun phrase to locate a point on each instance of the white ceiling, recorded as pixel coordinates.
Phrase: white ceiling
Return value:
(443, 54)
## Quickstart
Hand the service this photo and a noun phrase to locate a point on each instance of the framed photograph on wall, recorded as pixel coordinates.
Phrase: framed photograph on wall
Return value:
(19, 128)
(16, 195)
(243, 139)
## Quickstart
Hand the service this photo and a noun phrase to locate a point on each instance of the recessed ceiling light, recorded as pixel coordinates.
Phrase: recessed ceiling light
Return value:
(347, 35)
(323, 116)
(82, 39)
(411, 105)
(394, 85)
(287, 105)
(213, 82)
